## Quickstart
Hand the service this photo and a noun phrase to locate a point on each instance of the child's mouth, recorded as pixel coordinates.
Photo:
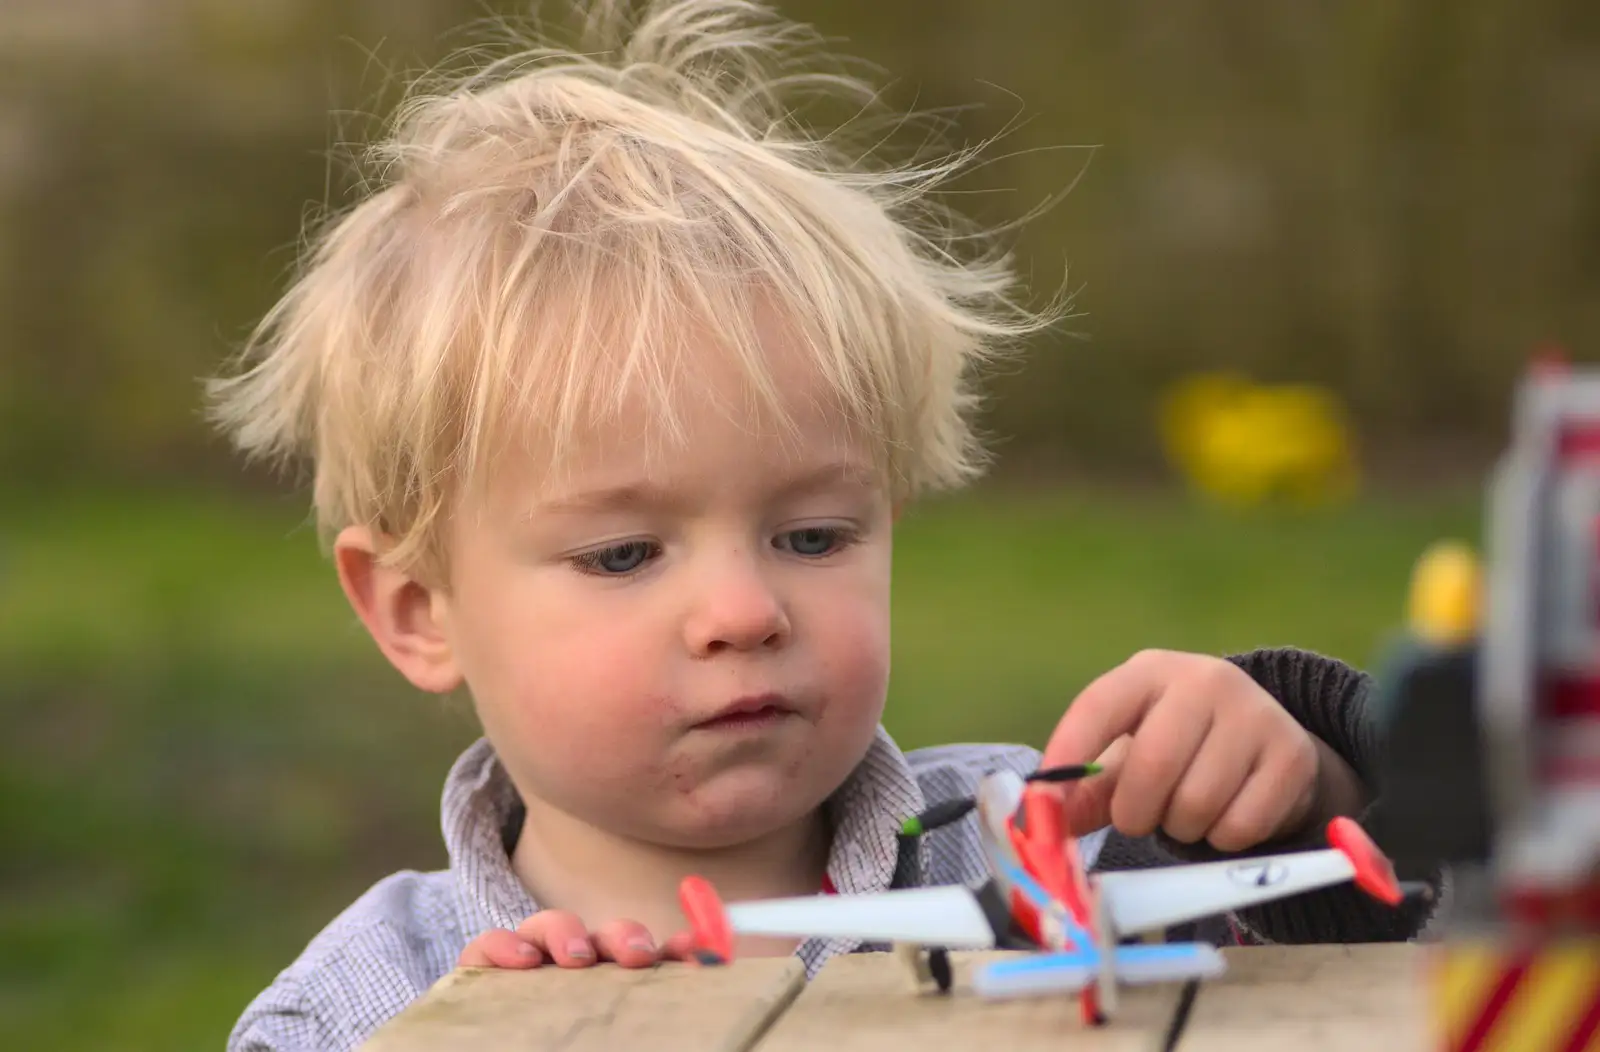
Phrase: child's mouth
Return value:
(755, 713)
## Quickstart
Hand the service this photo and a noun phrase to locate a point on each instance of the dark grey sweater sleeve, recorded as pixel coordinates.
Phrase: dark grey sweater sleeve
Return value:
(1329, 699)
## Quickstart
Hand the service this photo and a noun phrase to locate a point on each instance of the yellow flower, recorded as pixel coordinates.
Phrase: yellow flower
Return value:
(1245, 444)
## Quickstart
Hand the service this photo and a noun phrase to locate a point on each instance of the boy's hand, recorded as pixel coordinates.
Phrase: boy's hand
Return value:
(1193, 746)
(560, 937)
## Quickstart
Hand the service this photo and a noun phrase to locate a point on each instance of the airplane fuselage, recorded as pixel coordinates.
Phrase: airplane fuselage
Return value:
(1035, 866)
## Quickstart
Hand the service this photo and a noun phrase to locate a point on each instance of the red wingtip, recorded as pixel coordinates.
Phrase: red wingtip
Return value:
(1374, 873)
(708, 921)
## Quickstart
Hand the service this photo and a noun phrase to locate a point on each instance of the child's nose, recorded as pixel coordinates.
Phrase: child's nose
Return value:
(736, 609)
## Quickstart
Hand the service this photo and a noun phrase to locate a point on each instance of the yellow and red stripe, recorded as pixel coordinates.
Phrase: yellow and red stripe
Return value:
(1489, 997)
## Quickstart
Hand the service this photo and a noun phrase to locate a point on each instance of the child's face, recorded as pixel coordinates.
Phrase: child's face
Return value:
(605, 622)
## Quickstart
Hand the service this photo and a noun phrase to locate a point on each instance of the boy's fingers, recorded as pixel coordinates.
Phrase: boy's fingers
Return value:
(1086, 805)
(1108, 708)
(628, 943)
(1215, 777)
(1157, 758)
(562, 936)
(1274, 790)
(500, 949)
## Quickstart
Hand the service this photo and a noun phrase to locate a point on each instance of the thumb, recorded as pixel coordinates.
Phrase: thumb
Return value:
(1086, 804)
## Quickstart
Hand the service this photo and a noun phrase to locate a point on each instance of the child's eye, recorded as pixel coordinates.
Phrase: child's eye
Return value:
(815, 540)
(617, 559)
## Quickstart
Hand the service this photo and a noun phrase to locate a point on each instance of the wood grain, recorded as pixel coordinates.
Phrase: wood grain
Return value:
(602, 1009)
(865, 1002)
(1362, 998)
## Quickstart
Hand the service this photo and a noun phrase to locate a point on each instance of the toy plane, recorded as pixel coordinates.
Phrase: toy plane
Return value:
(1039, 897)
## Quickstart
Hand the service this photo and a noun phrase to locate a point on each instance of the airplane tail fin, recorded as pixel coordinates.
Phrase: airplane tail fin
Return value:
(1373, 872)
(708, 920)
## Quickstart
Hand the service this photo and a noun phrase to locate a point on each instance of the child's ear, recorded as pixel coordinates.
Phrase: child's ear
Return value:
(399, 612)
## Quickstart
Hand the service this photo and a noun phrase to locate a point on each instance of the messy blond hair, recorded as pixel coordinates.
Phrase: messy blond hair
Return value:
(533, 228)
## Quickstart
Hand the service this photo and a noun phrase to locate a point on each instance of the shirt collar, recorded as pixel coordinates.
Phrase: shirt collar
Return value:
(866, 814)
(480, 812)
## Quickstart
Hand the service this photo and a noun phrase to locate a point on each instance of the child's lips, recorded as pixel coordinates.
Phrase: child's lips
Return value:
(754, 712)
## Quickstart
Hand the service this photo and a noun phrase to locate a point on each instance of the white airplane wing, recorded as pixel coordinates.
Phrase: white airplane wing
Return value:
(947, 916)
(1148, 899)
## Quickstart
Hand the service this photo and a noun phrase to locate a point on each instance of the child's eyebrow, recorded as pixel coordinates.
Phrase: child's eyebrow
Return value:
(646, 495)
(834, 474)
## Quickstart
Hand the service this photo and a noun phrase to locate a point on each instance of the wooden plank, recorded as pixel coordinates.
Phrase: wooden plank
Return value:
(865, 1001)
(1356, 998)
(1305, 998)
(599, 1009)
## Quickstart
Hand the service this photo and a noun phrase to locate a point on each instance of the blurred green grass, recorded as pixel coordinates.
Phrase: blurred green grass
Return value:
(207, 759)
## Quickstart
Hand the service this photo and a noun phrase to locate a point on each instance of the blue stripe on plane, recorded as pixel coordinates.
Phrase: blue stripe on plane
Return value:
(1043, 962)
(1170, 951)
(1029, 886)
(1041, 901)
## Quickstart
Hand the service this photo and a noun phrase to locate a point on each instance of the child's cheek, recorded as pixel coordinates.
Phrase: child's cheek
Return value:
(584, 720)
(589, 680)
(853, 657)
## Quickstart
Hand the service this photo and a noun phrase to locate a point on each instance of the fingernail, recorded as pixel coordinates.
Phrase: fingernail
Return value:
(642, 943)
(580, 948)
(526, 950)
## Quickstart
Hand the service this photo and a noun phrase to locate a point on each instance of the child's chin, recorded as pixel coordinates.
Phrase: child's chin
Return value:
(737, 807)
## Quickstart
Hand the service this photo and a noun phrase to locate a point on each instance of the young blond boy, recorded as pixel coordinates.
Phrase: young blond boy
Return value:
(614, 388)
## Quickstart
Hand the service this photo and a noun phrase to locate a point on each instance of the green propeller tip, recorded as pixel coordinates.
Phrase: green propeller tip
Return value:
(1068, 773)
(911, 827)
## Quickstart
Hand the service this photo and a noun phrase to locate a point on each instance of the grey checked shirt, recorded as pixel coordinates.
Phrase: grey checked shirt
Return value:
(407, 931)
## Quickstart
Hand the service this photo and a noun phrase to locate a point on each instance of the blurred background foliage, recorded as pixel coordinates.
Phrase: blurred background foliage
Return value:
(1392, 200)
(1369, 212)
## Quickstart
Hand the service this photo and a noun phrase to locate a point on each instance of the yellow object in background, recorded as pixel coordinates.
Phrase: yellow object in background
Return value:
(1245, 444)
(1445, 601)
